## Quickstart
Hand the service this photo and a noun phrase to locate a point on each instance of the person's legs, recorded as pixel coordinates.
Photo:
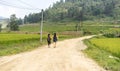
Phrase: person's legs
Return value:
(54, 44)
(49, 44)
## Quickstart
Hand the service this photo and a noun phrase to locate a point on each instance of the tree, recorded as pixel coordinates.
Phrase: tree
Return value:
(25, 19)
(79, 10)
(19, 21)
(13, 23)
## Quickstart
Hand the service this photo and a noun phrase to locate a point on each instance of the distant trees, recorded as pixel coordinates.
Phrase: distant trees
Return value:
(20, 21)
(78, 10)
(32, 18)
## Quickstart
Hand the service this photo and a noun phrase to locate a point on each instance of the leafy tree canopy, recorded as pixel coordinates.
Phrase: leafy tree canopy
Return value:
(79, 10)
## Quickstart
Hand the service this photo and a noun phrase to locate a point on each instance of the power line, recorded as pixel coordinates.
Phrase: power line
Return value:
(27, 4)
(5, 3)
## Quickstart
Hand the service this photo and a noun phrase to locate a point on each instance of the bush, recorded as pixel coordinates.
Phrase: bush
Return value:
(112, 34)
(87, 33)
(109, 35)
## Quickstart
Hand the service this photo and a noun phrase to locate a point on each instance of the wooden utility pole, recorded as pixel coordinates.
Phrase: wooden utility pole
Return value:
(41, 26)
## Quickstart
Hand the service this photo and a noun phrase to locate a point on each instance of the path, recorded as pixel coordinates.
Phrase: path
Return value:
(66, 57)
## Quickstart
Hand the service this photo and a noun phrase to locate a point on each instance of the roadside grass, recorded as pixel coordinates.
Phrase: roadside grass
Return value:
(105, 58)
(20, 47)
(109, 44)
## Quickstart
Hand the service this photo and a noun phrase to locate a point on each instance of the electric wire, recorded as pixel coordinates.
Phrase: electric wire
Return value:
(27, 4)
(5, 3)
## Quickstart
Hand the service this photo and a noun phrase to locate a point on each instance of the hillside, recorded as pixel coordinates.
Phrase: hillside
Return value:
(80, 10)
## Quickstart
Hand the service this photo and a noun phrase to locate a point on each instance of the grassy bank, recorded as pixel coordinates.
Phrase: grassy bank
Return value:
(109, 44)
(105, 52)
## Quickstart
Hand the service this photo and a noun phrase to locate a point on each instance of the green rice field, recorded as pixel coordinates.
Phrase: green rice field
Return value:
(105, 51)
(110, 44)
(16, 43)
(14, 38)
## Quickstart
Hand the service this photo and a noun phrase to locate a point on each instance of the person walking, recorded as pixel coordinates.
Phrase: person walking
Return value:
(55, 39)
(49, 40)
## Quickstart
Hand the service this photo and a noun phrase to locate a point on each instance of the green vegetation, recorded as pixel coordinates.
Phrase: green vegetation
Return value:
(87, 28)
(80, 10)
(13, 23)
(112, 33)
(48, 27)
(13, 38)
(16, 43)
(96, 29)
(110, 44)
(30, 28)
(105, 51)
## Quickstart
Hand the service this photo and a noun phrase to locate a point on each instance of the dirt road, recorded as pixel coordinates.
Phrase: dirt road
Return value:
(66, 57)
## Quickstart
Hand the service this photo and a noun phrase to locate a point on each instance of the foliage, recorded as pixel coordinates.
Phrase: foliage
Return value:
(13, 23)
(78, 10)
(112, 33)
(32, 18)
(19, 21)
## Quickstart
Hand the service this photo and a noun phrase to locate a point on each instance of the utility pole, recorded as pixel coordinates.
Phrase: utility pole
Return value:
(23, 21)
(41, 26)
(9, 25)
